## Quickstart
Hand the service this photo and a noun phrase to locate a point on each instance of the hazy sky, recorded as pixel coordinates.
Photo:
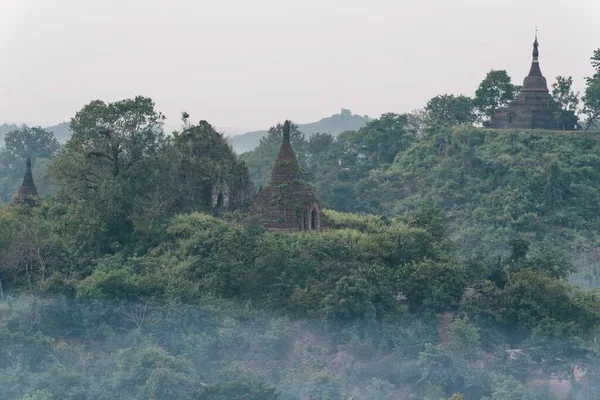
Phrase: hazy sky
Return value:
(244, 64)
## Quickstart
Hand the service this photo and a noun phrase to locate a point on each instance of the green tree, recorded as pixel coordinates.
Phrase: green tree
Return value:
(431, 286)
(495, 91)
(319, 143)
(431, 217)
(382, 138)
(113, 137)
(237, 390)
(508, 388)
(591, 102)
(117, 170)
(450, 110)
(155, 374)
(591, 97)
(595, 59)
(33, 142)
(205, 158)
(565, 102)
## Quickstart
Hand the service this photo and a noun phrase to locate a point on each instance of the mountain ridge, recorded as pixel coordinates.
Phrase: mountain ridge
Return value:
(61, 131)
(334, 125)
(241, 143)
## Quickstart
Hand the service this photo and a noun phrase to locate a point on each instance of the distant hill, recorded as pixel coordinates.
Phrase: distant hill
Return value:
(62, 132)
(334, 125)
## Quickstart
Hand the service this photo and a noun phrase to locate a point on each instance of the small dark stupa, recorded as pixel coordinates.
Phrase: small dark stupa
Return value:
(27, 193)
(531, 109)
(287, 204)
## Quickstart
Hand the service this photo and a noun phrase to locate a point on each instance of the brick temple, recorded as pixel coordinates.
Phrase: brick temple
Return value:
(531, 108)
(288, 203)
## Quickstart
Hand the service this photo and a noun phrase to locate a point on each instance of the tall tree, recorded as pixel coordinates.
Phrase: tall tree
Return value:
(495, 91)
(450, 110)
(591, 102)
(565, 101)
(591, 98)
(116, 167)
(595, 59)
(382, 138)
(206, 159)
(33, 142)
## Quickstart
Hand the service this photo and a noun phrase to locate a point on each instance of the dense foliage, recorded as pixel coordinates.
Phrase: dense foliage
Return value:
(446, 268)
(371, 308)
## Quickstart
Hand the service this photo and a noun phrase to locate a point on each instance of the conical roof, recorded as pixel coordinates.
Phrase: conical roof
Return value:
(286, 167)
(287, 204)
(27, 193)
(535, 81)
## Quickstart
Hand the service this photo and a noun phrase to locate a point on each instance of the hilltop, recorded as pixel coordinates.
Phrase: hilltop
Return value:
(494, 185)
(334, 125)
(61, 131)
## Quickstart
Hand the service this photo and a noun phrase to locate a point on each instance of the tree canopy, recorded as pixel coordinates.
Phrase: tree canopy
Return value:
(455, 262)
(495, 91)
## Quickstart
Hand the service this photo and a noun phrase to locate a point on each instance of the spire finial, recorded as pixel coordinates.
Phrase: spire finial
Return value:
(286, 131)
(28, 163)
(536, 52)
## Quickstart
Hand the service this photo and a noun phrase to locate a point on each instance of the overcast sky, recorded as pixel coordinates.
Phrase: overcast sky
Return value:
(244, 64)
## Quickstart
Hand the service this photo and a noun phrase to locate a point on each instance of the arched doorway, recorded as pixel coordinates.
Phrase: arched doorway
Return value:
(220, 200)
(313, 220)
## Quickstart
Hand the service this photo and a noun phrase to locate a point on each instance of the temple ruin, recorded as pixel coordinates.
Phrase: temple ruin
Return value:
(288, 203)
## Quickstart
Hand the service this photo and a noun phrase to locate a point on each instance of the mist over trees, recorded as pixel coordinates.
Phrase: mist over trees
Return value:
(457, 262)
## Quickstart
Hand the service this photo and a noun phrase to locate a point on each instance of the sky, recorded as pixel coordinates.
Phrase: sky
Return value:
(245, 65)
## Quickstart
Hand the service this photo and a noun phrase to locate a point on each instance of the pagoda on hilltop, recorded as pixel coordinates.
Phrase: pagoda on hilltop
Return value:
(531, 108)
(288, 203)
(27, 193)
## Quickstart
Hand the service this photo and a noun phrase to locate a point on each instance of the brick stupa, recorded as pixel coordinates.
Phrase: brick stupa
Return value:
(27, 193)
(531, 109)
(288, 203)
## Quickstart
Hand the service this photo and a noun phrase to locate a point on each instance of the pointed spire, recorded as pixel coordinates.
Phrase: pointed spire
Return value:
(286, 167)
(535, 64)
(286, 131)
(27, 192)
(536, 52)
(28, 178)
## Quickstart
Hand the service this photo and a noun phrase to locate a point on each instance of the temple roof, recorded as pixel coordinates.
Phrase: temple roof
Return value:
(28, 178)
(531, 107)
(27, 192)
(287, 204)
(535, 81)
(286, 167)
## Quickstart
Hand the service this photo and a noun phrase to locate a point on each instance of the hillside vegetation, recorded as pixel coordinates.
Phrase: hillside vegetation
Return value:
(493, 185)
(443, 271)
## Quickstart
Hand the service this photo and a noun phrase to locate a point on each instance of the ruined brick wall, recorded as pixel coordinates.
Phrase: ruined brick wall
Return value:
(288, 207)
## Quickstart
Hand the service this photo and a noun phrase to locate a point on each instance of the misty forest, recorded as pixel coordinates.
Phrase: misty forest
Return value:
(450, 260)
